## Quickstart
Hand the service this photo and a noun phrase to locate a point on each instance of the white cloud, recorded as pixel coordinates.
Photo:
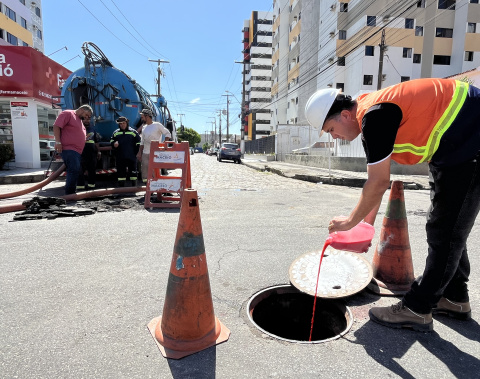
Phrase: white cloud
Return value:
(196, 100)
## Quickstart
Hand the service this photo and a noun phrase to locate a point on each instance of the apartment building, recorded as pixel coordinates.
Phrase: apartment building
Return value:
(21, 23)
(362, 45)
(257, 53)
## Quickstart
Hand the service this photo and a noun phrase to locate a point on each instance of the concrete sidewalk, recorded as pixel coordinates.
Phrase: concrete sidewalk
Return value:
(324, 175)
(257, 162)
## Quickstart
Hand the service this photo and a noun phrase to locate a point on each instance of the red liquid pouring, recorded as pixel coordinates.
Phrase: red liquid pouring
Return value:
(357, 240)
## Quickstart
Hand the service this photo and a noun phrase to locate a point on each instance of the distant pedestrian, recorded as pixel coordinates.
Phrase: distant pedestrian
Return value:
(125, 142)
(151, 131)
(70, 135)
(90, 156)
(423, 120)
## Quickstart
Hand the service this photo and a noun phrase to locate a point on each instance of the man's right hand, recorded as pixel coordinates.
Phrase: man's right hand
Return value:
(115, 144)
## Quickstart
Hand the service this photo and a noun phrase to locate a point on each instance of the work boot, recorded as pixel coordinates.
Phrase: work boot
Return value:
(399, 316)
(460, 311)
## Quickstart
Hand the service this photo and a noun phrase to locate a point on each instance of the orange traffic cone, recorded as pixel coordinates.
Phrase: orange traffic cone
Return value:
(392, 261)
(188, 324)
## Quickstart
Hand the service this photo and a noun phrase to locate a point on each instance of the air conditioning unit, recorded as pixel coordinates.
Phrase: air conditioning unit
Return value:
(332, 7)
(386, 18)
(384, 77)
(331, 59)
(332, 33)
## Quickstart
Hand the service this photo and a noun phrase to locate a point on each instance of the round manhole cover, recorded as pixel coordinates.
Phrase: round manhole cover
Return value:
(342, 273)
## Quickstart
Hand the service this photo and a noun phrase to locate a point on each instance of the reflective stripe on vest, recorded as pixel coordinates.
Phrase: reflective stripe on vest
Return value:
(426, 152)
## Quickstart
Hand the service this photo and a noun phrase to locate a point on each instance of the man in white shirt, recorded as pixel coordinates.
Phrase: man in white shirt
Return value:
(151, 131)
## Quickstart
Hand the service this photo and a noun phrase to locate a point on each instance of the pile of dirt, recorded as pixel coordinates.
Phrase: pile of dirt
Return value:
(53, 207)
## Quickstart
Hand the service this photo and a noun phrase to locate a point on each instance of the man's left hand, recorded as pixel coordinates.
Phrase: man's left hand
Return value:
(339, 224)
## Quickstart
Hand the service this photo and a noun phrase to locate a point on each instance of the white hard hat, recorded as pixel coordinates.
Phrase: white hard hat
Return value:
(318, 106)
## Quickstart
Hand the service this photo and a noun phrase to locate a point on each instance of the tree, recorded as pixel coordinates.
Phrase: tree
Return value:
(189, 135)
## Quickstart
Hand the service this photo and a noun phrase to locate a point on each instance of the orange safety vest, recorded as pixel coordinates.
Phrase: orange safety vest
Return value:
(429, 106)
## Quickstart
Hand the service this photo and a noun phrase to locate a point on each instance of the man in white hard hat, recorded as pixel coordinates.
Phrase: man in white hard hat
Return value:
(424, 120)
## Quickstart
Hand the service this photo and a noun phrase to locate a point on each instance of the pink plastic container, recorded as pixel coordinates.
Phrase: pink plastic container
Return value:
(357, 240)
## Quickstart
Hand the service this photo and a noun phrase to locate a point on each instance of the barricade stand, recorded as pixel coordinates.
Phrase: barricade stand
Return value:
(168, 156)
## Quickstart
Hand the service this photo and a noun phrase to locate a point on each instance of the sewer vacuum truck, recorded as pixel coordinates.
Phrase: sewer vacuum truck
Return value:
(111, 93)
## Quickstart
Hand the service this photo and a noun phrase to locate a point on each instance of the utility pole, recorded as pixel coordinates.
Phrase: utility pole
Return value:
(220, 127)
(159, 73)
(181, 114)
(244, 110)
(380, 61)
(228, 101)
(215, 134)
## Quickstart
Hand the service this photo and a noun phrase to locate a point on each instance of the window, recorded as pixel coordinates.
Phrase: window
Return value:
(341, 61)
(421, 4)
(23, 22)
(37, 11)
(22, 1)
(371, 21)
(12, 39)
(417, 58)
(342, 34)
(474, 1)
(369, 51)
(343, 7)
(441, 59)
(444, 33)
(471, 27)
(25, 44)
(419, 31)
(468, 56)
(407, 52)
(446, 4)
(39, 33)
(404, 78)
(1, 33)
(367, 80)
(340, 86)
(409, 23)
(10, 14)
(296, 100)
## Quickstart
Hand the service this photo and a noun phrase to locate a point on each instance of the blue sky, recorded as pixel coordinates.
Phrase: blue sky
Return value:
(201, 39)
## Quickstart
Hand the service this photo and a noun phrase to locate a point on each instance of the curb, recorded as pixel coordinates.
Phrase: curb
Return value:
(337, 181)
(20, 179)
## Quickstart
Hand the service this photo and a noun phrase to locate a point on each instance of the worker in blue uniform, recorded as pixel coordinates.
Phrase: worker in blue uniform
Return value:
(90, 155)
(125, 142)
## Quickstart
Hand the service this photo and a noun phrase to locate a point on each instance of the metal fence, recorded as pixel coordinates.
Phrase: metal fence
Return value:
(261, 146)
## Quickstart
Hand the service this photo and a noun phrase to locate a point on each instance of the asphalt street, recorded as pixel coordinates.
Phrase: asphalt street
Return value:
(77, 294)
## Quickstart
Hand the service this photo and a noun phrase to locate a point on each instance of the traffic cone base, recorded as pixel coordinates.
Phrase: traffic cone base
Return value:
(216, 336)
(392, 261)
(387, 289)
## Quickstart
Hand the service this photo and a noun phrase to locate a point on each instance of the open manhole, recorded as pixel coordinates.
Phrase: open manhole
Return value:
(285, 313)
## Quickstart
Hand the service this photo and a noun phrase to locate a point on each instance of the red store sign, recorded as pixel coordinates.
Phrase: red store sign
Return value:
(25, 72)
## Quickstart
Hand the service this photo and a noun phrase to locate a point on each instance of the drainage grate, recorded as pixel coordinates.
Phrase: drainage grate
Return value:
(285, 313)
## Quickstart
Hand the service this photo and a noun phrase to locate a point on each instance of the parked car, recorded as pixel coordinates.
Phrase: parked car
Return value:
(212, 151)
(47, 149)
(229, 151)
(198, 149)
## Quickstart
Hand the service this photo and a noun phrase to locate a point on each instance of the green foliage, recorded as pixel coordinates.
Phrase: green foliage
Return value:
(6, 154)
(189, 135)
(206, 146)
